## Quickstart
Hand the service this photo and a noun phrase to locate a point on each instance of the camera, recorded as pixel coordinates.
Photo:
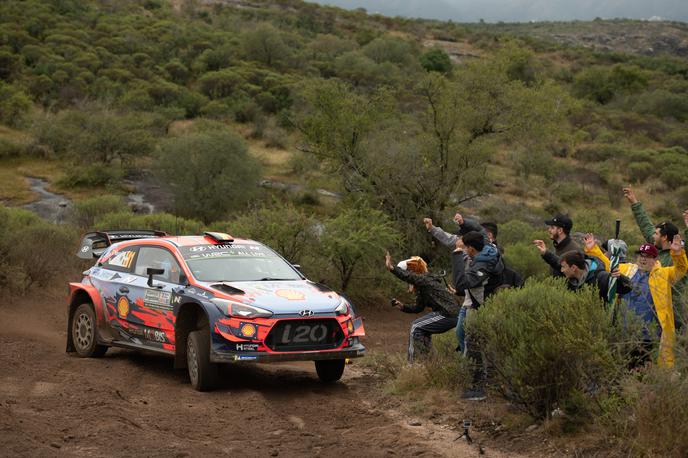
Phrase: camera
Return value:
(466, 424)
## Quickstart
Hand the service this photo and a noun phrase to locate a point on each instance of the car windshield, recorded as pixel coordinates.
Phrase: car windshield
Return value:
(231, 263)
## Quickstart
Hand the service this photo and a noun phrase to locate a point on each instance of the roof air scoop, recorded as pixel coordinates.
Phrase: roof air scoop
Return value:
(219, 237)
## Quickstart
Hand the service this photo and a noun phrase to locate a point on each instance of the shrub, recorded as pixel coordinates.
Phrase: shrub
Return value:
(650, 417)
(281, 226)
(640, 171)
(8, 148)
(525, 259)
(157, 221)
(436, 60)
(549, 347)
(210, 173)
(32, 250)
(86, 211)
(90, 176)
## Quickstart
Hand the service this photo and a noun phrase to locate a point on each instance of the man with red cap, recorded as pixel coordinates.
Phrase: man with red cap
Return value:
(650, 296)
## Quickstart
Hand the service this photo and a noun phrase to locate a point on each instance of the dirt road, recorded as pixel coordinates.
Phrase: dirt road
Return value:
(130, 404)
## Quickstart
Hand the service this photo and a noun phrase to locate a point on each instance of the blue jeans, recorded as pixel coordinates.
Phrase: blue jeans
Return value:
(460, 331)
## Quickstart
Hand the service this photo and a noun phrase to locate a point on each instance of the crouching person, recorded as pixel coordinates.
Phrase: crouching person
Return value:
(431, 292)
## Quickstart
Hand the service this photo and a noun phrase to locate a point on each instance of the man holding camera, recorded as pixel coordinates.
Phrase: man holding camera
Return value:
(430, 292)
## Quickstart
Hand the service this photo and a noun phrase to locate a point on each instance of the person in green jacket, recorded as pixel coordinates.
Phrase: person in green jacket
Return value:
(661, 235)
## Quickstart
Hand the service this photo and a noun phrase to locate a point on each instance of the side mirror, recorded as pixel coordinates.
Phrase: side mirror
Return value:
(153, 271)
(297, 267)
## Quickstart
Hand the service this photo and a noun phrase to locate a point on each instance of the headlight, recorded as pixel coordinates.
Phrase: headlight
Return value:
(230, 308)
(343, 308)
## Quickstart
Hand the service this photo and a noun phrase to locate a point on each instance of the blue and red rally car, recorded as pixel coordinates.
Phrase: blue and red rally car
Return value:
(206, 300)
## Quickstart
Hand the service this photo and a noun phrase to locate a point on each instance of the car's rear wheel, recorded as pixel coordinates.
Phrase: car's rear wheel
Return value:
(329, 370)
(202, 373)
(85, 333)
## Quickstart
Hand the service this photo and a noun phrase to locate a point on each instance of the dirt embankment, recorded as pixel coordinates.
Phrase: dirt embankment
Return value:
(125, 404)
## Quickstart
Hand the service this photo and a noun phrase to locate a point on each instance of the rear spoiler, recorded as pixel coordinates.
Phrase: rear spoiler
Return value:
(93, 244)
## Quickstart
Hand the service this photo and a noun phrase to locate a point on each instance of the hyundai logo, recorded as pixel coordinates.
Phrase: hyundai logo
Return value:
(306, 313)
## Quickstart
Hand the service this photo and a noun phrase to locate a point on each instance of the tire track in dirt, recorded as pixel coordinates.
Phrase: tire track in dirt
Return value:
(126, 403)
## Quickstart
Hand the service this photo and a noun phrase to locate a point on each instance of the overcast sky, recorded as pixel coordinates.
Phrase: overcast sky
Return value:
(521, 10)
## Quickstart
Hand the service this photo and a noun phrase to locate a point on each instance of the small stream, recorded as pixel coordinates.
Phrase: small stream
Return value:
(50, 206)
(56, 208)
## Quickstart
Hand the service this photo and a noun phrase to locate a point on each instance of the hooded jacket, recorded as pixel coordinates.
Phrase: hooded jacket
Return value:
(473, 274)
(596, 275)
(660, 281)
(430, 292)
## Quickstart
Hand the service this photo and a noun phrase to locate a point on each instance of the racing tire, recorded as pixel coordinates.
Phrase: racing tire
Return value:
(329, 370)
(202, 373)
(85, 332)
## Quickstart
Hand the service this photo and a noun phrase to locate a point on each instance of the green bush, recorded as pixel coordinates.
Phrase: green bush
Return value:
(548, 347)
(171, 224)
(90, 176)
(33, 252)
(86, 211)
(525, 259)
(436, 60)
(8, 148)
(210, 173)
(640, 171)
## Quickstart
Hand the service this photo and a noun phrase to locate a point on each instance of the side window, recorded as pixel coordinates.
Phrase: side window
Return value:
(158, 258)
(122, 260)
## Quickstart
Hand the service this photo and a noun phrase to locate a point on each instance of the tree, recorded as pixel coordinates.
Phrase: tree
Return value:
(431, 152)
(436, 60)
(281, 226)
(210, 173)
(356, 237)
(266, 45)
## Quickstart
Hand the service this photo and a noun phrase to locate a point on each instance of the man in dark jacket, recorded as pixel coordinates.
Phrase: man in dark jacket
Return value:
(558, 229)
(430, 292)
(474, 262)
(582, 270)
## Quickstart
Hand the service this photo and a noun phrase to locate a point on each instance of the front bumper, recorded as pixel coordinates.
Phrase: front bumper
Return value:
(355, 351)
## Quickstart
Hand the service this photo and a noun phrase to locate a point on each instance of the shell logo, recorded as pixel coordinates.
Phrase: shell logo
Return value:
(123, 307)
(290, 294)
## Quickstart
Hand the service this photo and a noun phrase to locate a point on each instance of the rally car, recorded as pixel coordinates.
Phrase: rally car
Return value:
(206, 300)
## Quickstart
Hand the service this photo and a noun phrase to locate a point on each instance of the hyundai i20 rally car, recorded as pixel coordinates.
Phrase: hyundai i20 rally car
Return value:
(206, 300)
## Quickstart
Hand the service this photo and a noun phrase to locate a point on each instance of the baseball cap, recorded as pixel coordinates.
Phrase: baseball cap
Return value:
(648, 250)
(562, 221)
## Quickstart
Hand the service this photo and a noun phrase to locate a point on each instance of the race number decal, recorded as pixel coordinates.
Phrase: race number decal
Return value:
(303, 333)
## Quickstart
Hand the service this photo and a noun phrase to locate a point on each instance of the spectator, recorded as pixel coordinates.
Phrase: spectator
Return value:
(582, 270)
(661, 235)
(474, 262)
(558, 229)
(650, 296)
(430, 292)
(449, 240)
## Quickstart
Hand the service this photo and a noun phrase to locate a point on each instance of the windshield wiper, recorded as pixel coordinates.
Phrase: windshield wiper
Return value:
(274, 279)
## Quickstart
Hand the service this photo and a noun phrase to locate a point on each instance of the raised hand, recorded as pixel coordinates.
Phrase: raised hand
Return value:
(629, 195)
(676, 245)
(428, 223)
(388, 261)
(589, 241)
(458, 219)
(540, 245)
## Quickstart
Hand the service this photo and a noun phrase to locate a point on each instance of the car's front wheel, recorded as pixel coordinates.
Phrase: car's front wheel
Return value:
(329, 370)
(85, 333)
(202, 373)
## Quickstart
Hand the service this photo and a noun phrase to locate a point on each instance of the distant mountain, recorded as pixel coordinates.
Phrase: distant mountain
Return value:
(521, 10)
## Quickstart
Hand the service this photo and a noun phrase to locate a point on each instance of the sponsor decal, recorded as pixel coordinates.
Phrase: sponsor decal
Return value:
(244, 358)
(247, 347)
(157, 299)
(176, 299)
(290, 294)
(224, 250)
(123, 307)
(154, 335)
(122, 259)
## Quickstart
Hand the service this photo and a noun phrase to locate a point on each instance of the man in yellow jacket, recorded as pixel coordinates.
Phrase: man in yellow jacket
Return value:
(648, 275)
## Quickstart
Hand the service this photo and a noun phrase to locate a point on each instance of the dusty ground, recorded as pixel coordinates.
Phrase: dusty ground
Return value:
(54, 404)
(127, 403)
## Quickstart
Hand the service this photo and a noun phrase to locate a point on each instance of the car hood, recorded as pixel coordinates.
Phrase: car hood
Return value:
(283, 296)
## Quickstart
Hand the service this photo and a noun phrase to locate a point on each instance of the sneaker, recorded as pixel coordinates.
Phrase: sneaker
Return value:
(477, 394)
